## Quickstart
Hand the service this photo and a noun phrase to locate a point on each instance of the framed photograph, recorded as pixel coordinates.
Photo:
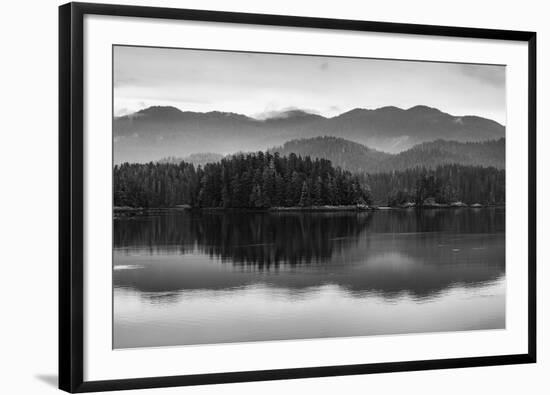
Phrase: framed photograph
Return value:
(251, 197)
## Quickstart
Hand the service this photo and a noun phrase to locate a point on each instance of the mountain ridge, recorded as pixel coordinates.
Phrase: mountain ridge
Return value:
(163, 131)
(357, 158)
(163, 110)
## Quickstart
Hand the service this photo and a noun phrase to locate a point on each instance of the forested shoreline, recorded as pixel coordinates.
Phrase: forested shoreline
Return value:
(256, 180)
(265, 180)
(445, 184)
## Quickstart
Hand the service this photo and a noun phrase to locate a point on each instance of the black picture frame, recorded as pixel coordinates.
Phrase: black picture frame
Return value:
(71, 180)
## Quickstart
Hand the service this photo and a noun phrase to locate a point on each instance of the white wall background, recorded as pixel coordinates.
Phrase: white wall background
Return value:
(28, 195)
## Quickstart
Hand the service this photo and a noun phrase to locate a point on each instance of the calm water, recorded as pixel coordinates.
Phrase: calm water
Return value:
(216, 277)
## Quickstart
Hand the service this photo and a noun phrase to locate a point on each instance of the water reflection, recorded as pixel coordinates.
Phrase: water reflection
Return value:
(260, 239)
(292, 238)
(385, 252)
(183, 271)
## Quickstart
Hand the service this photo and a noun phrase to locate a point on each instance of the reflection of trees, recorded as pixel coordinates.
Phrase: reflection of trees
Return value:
(462, 220)
(261, 239)
(420, 253)
(266, 239)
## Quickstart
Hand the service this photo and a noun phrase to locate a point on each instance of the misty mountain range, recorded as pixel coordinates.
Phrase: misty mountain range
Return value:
(161, 132)
(357, 158)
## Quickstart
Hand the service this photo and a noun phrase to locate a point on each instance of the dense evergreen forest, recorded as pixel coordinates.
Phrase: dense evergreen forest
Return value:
(444, 184)
(257, 180)
(264, 180)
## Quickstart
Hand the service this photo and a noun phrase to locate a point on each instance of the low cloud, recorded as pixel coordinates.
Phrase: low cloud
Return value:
(282, 113)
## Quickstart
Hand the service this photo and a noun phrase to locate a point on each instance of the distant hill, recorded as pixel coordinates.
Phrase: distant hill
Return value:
(346, 154)
(356, 157)
(439, 152)
(159, 132)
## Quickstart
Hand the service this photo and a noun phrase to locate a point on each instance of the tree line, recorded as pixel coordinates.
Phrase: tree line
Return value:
(264, 180)
(443, 184)
(254, 180)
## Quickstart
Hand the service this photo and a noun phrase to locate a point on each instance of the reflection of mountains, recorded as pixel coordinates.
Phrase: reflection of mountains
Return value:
(421, 253)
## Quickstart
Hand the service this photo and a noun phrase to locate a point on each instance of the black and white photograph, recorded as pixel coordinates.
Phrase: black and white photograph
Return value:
(266, 198)
(271, 197)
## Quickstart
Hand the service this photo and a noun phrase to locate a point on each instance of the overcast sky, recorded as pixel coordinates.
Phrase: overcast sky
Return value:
(257, 84)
